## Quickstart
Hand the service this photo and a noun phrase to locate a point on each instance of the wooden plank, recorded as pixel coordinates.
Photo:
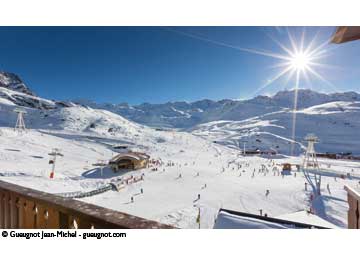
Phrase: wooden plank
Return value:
(21, 209)
(14, 212)
(64, 220)
(29, 217)
(353, 212)
(346, 34)
(2, 213)
(53, 218)
(41, 216)
(357, 215)
(7, 210)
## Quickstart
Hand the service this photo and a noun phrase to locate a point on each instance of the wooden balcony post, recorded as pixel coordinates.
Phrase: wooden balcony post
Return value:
(354, 207)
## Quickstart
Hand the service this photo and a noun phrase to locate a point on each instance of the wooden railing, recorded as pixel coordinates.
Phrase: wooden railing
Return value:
(22, 207)
(354, 208)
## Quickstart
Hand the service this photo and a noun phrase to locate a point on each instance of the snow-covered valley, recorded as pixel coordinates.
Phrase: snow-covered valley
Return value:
(193, 171)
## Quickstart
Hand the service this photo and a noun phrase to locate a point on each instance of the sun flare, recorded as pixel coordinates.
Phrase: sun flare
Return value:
(300, 61)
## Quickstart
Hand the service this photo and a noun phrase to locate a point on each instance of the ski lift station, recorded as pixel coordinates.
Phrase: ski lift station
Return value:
(129, 160)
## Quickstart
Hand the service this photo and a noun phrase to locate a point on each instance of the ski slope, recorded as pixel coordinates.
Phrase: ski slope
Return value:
(335, 123)
(167, 197)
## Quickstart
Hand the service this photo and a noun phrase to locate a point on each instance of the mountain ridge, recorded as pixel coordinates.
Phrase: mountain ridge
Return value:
(180, 114)
(263, 122)
(12, 81)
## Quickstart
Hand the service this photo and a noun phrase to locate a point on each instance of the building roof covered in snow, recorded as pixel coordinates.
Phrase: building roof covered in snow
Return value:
(228, 219)
(130, 155)
(304, 216)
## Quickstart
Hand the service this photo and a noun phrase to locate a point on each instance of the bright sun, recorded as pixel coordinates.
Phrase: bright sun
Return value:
(300, 61)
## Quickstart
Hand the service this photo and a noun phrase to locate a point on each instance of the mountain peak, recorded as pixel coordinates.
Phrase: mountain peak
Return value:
(301, 91)
(13, 82)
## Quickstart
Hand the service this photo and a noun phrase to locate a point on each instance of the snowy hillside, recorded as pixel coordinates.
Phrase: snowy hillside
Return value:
(262, 122)
(335, 123)
(187, 115)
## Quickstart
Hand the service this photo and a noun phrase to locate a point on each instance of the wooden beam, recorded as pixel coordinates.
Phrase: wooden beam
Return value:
(345, 34)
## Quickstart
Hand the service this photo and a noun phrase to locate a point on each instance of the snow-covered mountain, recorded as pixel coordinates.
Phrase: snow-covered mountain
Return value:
(15, 91)
(264, 122)
(335, 123)
(13, 82)
(189, 114)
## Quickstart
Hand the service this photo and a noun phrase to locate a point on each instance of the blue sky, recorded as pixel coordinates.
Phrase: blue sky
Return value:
(160, 64)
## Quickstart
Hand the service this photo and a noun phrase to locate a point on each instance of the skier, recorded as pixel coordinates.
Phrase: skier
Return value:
(141, 191)
(267, 193)
(328, 188)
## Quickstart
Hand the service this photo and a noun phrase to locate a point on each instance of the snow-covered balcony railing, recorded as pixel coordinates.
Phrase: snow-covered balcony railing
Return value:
(22, 207)
(354, 208)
